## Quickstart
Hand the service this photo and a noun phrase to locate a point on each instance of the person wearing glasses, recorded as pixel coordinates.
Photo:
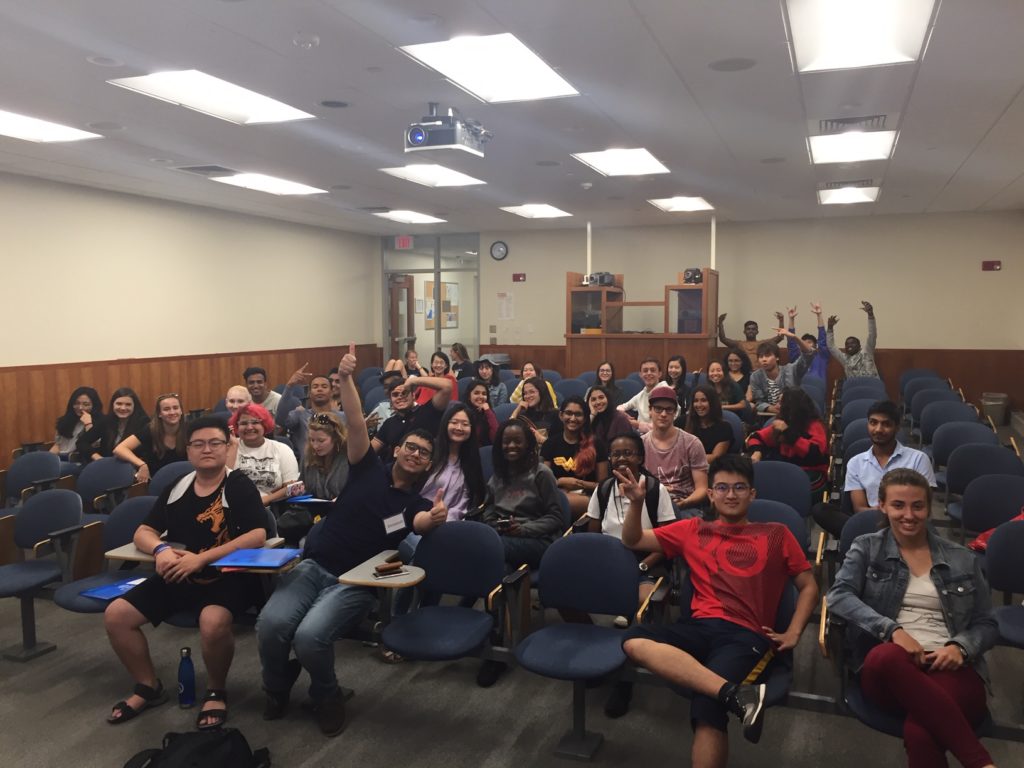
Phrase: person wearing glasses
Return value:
(574, 456)
(739, 571)
(160, 442)
(294, 416)
(675, 457)
(408, 415)
(211, 512)
(269, 463)
(310, 609)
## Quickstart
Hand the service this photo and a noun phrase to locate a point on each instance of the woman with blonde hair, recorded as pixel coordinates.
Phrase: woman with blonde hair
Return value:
(325, 463)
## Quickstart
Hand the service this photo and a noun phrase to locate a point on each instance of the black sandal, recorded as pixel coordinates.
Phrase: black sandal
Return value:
(152, 697)
(215, 718)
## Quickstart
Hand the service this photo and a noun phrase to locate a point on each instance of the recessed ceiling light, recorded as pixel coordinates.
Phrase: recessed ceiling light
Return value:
(409, 217)
(622, 162)
(736, 64)
(682, 204)
(536, 211)
(432, 176)
(333, 104)
(847, 195)
(104, 61)
(852, 146)
(105, 125)
(840, 34)
(494, 68)
(263, 183)
(211, 96)
(40, 131)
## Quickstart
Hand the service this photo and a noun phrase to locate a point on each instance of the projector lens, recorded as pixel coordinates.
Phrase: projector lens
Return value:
(416, 136)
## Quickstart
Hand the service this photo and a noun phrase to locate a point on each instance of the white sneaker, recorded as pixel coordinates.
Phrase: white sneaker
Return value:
(621, 622)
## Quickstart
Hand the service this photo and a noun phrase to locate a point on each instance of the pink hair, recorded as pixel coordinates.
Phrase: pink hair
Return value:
(257, 411)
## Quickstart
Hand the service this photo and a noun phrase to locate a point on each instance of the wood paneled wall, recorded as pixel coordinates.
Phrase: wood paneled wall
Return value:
(973, 370)
(34, 396)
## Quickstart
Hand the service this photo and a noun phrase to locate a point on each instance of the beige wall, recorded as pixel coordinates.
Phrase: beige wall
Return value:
(923, 274)
(92, 275)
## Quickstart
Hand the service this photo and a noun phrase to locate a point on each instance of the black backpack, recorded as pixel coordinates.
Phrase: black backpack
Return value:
(221, 748)
(604, 494)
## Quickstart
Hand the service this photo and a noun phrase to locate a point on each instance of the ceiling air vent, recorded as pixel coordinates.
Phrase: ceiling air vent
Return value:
(207, 170)
(843, 124)
(844, 184)
(375, 209)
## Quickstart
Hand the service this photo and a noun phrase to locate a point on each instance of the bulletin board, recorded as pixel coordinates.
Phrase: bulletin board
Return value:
(448, 312)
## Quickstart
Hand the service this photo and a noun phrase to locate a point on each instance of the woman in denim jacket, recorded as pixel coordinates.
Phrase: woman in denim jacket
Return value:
(919, 608)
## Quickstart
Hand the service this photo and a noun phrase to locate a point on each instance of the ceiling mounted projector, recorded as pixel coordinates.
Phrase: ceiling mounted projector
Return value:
(449, 131)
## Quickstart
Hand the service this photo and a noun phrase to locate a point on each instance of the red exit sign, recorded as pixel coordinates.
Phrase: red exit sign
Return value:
(518, 277)
(991, 266)
(403, 242)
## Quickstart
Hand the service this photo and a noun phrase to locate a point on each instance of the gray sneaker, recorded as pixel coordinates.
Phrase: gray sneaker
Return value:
(747, 703)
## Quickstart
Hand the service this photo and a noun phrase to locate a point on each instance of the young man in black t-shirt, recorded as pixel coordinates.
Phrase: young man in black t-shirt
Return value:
(211, 513)
(309, 609)
(408, 416)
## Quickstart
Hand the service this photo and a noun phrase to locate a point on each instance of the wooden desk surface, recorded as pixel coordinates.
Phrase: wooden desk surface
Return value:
(362, 575)
(129, 552)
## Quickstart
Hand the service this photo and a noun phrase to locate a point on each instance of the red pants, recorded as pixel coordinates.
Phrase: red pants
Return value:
(941, 707)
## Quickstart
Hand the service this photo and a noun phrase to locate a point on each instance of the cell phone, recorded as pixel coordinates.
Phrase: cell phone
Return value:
(400, 572)
(503, 522)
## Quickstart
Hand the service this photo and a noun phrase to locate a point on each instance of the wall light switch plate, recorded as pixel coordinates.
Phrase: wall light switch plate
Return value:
(494, 340)
(492, 329)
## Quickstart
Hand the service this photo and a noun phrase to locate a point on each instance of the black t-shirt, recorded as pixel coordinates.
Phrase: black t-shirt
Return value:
(203, 522)
(463, 370)
(562, 455)
(711, 436)
(370, 515)
(396, 427)
(146, 452)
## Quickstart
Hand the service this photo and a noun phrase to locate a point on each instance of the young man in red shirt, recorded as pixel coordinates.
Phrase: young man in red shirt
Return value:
(738, 570)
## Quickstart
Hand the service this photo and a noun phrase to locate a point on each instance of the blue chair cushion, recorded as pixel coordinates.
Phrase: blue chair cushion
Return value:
(438, 633)
(70, 598)
(18, 578)
(955, 510)
(1011, 624)
(940, 479)
(572, 651)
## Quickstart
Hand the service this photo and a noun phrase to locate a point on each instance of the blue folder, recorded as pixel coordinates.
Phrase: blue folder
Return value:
(110, 591)
(258, 558)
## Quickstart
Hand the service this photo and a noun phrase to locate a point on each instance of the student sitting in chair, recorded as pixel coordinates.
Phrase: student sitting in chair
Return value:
(768, 381)
(727, 643)
(212, 512)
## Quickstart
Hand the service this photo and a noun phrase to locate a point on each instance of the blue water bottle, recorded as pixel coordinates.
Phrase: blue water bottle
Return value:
(186, 680)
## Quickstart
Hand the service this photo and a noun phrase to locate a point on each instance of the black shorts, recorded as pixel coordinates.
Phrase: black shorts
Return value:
(734, 652)
(157, 599)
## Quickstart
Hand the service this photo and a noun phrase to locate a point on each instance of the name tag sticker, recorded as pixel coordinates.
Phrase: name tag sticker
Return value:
(394, 523)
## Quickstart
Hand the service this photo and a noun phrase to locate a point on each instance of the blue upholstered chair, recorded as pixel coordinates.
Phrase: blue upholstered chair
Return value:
(570, 388)
(736, 425)
(588, 377)
(103, 483)
(972, 461)
(1002, 567)
(168, 475)
(785, 482)
(28, 472)
(768, 511)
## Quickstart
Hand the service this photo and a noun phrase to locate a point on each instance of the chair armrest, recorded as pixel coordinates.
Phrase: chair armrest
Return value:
(823, 629)
(273, 543)
(661, 590)
(65, 532)
(42, 484)
(513, 579)
(820, 553)
(1016, 448)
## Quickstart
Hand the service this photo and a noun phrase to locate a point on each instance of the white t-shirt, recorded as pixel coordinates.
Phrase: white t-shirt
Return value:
(270, 402)
(618, 505)
(270, 466)
(921, 613)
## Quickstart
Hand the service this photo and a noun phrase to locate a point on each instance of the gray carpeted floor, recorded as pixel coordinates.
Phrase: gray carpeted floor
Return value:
(419, 714)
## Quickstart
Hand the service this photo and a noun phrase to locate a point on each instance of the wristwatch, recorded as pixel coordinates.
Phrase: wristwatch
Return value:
(959, 647)
(643, 567)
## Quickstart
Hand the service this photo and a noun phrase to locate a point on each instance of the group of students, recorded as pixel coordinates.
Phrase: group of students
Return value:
(632, 478)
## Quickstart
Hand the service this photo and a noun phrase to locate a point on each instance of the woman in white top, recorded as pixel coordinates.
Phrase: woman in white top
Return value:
(269, 464)
(83, 406)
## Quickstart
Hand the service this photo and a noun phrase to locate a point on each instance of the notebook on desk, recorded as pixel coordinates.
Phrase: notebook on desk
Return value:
(258, 558)
(109, 591)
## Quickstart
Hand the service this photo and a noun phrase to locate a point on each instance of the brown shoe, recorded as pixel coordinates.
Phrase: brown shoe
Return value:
(330, 713)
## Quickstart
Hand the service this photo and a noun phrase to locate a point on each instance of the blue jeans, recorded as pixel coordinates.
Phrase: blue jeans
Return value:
(309, 610)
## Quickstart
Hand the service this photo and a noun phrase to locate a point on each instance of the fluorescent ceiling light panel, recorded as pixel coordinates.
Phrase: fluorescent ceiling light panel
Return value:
(845, 34)
(271, 184)
(622, 162)
(211, 96)
(494, 68)
(410, 217)
(847, 195)
(432, 176)
(852, 146)
(40, 131)
(682, 204)
(536, 211)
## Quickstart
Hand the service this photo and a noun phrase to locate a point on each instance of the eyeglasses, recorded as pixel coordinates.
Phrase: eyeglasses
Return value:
(629, 453)
(418, 450)
(738, 488)
(573, 414)
(663, 408)
(213, 445)
(250, 423)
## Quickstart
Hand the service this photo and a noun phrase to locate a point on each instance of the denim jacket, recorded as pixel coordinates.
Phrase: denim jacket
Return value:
(872, 582)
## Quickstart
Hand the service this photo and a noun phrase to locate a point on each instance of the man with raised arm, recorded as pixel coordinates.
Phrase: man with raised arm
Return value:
(310, 609)
(819, 343)
(771, 378)
(294, 416)
(856, 361)
(750, 341)
(408, 416)
(739, 571)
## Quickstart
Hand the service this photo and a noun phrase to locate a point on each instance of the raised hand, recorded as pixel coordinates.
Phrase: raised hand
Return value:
(866, 306)
(791, 311)
(300, 376)
(779, 316)
(438, 512)
(630, 486)
(348, 363)
(816, 307)
(832, 321)
(721, 318)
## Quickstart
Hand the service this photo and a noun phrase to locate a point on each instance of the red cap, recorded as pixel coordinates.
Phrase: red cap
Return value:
(662, 392)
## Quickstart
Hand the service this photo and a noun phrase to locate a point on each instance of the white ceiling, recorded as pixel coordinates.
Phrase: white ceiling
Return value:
(736, 138)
